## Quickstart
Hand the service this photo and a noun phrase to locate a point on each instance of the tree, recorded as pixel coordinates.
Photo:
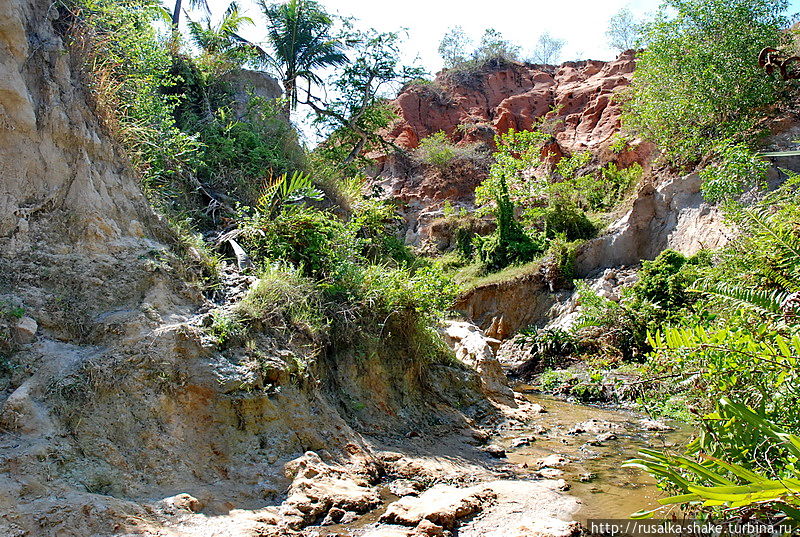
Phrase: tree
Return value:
(698, 80)
(494, 45)
(623, 30)
(223, 40)
(453, 47)
(176, 12)
(300, 36)
(547, 49)
(359, 108)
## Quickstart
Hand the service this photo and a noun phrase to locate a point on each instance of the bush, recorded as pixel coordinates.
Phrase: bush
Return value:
(239, 156)
(568, 221)
(697, 79)
(282, 295)
(126, 63)
(736, 168)
(314, 241)
(665, 280)
(437, 150)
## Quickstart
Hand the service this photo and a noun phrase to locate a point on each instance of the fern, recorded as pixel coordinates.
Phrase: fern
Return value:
(713, 482)
(768, 303)
(288, 189)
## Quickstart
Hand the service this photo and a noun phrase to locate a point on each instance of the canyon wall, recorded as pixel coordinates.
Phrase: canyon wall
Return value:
(117, 411)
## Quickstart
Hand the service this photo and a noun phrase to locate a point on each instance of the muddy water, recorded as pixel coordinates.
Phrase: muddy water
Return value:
(615, 492)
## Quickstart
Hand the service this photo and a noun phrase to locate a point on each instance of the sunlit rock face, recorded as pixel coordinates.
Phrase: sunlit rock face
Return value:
(576, 103)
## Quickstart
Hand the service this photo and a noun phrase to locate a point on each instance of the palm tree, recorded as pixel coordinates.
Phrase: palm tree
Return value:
(224, 39)
(301, 41)
(176, 13)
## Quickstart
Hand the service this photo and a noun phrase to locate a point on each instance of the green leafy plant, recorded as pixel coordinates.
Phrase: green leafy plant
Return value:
(736, 167)
(713, 483)
(287, 189)
(697, 80)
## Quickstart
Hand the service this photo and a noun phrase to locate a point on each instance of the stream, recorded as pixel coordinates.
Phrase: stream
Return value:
(614, 492)
(586, 446)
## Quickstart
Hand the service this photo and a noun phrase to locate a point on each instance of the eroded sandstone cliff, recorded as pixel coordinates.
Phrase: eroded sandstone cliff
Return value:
(117, 412)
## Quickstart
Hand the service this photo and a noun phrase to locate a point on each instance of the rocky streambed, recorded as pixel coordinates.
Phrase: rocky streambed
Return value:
(543, 469)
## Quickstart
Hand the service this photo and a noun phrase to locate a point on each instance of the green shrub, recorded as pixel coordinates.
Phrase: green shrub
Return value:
(315, 241)
(697, 79)
(568, 221)
(240, 155)
(567, 166)
(736, 168)
(427, 291)
(126, 62)
(546, 349)
(665, 280)
(224, 327)
(558, 266)
(437, 150)
(282, 294)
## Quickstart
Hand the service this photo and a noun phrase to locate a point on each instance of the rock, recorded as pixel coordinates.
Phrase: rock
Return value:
(552, 461)
(24, 331)
(602, 438)
(494, 451)
(672, 214)
(594, 426)
(524, 509)
(405, 487)
(514, 95)
(317, 488)
(654, 425)
(524, 441)
(388, 531)
(183, 502)
(551, 473)
(494, 343)
(587, 477)
(334, 516)
(472, 347)
(245, 82)
(537, 408)
(442, 505)
(426, 528)
(480, 435)
(563, 485)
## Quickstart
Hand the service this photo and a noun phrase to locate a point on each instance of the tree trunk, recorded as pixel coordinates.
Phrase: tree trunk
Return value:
(288, 90)
(176, 15)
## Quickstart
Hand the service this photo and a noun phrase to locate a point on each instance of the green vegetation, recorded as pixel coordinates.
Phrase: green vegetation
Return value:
(220, 163)
(719, 332)
(564, 201)
(715, 335)
(300, 35)
(437, 150)
(698, 83)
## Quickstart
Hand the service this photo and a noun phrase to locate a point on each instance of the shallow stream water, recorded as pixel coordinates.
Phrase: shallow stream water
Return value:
(612, 491)
(615, 492)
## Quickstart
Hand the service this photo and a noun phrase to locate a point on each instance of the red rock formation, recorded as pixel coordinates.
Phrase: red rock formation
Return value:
(575, 101)
(515, 95)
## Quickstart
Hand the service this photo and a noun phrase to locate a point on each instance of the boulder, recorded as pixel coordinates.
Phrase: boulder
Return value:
(443, 505)
(474, 349)
(24, 331)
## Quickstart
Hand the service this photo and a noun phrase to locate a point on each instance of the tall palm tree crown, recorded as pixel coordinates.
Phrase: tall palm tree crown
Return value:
(223, 38)
(300, 38)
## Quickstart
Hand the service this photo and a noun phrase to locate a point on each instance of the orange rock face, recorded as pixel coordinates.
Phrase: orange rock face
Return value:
(576, 97)
(575, 102)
